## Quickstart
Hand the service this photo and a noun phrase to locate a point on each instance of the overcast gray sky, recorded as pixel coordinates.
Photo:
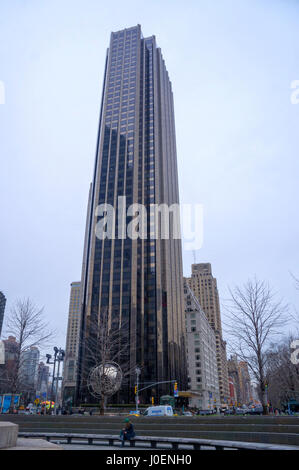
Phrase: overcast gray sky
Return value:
(231, 64)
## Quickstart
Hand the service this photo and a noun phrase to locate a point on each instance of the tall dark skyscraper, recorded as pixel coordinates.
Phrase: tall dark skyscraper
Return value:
(2, 308)
(137, 283)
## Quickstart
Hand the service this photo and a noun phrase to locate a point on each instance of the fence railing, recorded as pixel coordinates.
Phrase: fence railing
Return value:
(154, 442)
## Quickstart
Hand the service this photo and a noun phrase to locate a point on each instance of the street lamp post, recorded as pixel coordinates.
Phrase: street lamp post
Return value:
(48, 375)
(138, 372)
(58, 357)
(48, 356)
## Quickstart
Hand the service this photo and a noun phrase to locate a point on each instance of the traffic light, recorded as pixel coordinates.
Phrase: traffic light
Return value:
(175, 389)
(61, 354)
(135, 389)
(153, 401)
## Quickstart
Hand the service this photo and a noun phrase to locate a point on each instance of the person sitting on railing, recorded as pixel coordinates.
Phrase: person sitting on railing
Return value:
(128, 432)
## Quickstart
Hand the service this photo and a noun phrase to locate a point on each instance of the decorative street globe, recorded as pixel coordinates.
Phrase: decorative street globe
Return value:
(105, 379)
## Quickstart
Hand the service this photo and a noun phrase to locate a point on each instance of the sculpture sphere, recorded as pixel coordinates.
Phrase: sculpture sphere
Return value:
(105, 379)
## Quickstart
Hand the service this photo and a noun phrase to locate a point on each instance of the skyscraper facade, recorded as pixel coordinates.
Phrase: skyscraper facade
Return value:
(72, 343)
(42, 381)
(201, 355)
(8, 363)
(239, 373)
(2, 308)
(28, 373)
(136, 282)
(204, 286)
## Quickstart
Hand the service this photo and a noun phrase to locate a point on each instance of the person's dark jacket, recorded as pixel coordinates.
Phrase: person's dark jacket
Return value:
(130, 433)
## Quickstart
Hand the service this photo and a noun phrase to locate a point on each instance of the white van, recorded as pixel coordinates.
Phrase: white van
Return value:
(163, 410)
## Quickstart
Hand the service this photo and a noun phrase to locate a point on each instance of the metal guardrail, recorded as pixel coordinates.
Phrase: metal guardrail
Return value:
(174, 442)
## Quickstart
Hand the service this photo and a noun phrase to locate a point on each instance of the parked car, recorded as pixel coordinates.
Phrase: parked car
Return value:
(257, 410)
(223, 409)
(205, 412)
(229, 411)
(241, 411)
(187, 413)
(30, 410)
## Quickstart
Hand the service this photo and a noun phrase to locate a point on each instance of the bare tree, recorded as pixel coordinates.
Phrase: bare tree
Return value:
(295, 316)
(296, 281)
(27, 324)
(106, 343)
(254, 319)
(282, 374)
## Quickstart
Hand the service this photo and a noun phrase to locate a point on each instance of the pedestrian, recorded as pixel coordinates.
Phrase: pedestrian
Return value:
(127, 433)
